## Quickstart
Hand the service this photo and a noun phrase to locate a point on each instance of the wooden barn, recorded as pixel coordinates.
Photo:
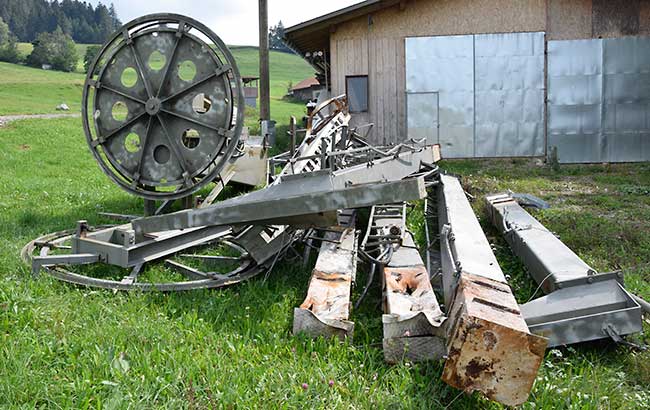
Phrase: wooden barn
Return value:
(492, 78)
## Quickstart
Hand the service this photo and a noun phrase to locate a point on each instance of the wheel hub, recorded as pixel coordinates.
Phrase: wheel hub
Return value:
(153, 106)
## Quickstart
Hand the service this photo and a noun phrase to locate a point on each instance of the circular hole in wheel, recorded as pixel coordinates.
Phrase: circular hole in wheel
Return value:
(157, 60)
(187, 70)
(129, 77)
(132, 142)
(191, 138)
(161, 154)
(201, 104)
(119, 111)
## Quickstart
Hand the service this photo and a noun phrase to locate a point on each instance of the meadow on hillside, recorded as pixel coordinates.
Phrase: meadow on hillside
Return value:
(26, 90)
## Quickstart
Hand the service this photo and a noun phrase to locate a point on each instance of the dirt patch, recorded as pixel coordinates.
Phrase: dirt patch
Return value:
(24, 147)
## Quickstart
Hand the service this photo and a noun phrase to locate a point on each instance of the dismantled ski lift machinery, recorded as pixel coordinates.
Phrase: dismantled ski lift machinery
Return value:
(163, 113)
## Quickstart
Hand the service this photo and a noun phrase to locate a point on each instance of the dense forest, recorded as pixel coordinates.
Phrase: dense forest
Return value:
(80, 20)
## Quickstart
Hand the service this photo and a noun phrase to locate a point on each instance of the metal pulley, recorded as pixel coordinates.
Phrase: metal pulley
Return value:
(163, 106)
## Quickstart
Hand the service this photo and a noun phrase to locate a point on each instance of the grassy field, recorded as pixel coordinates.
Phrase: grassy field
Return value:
(26, 48)
(26, 90)
(68, 347)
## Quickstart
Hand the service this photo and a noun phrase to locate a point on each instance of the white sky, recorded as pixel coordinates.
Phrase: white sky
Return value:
(235, 21)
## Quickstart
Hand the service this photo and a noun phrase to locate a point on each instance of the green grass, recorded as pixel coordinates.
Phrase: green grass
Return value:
(67, 347)
(26, 48)
(25, 90)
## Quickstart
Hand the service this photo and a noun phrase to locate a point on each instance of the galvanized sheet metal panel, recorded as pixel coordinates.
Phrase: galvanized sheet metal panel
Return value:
(599, 99)
(575, 77)
(626, 98)
(509, 94)
(445, 65)
(490, 92)
(422, 116)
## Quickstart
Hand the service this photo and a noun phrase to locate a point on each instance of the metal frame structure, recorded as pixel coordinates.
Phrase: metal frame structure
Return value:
(326, 309)
(490, 348)
(412, 320)
(581, 304)
(490, 343)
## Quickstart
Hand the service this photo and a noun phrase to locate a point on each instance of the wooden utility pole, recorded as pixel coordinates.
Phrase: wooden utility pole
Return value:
(265, 89)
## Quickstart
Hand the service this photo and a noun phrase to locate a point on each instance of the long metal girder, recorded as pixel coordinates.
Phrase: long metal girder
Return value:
(116, 245)
(412, 320)
(308, 193)
(326, 309)
(490, 348)
(581, 304)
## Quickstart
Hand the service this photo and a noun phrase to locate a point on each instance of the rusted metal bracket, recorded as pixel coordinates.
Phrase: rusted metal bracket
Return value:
(326, 309)
(490, 348)
(581, 304)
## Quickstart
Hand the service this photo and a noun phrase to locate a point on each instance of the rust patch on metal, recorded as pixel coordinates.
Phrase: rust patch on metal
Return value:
(324, 289)
(326, 308)
(408, 281)
(490, 347)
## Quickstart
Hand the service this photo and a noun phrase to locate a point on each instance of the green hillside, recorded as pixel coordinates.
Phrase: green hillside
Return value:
(26, 48)
(25, 90)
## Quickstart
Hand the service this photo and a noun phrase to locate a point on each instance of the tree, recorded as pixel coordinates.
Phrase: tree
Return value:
(85, 23)
(91, 53)
(8, 44)
(56, 49)
(276, 39)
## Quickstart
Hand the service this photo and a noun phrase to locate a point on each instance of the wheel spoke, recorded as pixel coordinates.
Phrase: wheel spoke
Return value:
(103, 138)
(132, 277)
(118, 92)
(179, 35)
(219, 72)
(143, 146)
(219, 130)
(175, 148)
(138, 63)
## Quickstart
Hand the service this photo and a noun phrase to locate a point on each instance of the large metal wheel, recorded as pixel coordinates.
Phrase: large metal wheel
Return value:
(230, 266)
(163, 106)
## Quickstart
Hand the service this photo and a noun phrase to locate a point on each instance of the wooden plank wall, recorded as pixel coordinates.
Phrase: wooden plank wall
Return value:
(349, 56)
(374, 45)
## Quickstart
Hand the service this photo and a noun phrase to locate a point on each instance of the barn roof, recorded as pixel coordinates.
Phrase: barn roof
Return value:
(307, 83)
(313, 35)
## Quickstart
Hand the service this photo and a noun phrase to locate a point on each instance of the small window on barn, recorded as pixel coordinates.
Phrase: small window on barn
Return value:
(356, 88)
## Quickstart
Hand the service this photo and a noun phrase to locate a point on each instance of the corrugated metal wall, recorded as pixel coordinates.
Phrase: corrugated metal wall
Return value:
(490, 93)
(599, 99)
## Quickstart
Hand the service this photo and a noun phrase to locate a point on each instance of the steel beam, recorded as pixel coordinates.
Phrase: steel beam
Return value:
(490, 348)
(581, 304)
(326, 309)
(51, 260)
(117, 246)
(412, 320)
(303, 194)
